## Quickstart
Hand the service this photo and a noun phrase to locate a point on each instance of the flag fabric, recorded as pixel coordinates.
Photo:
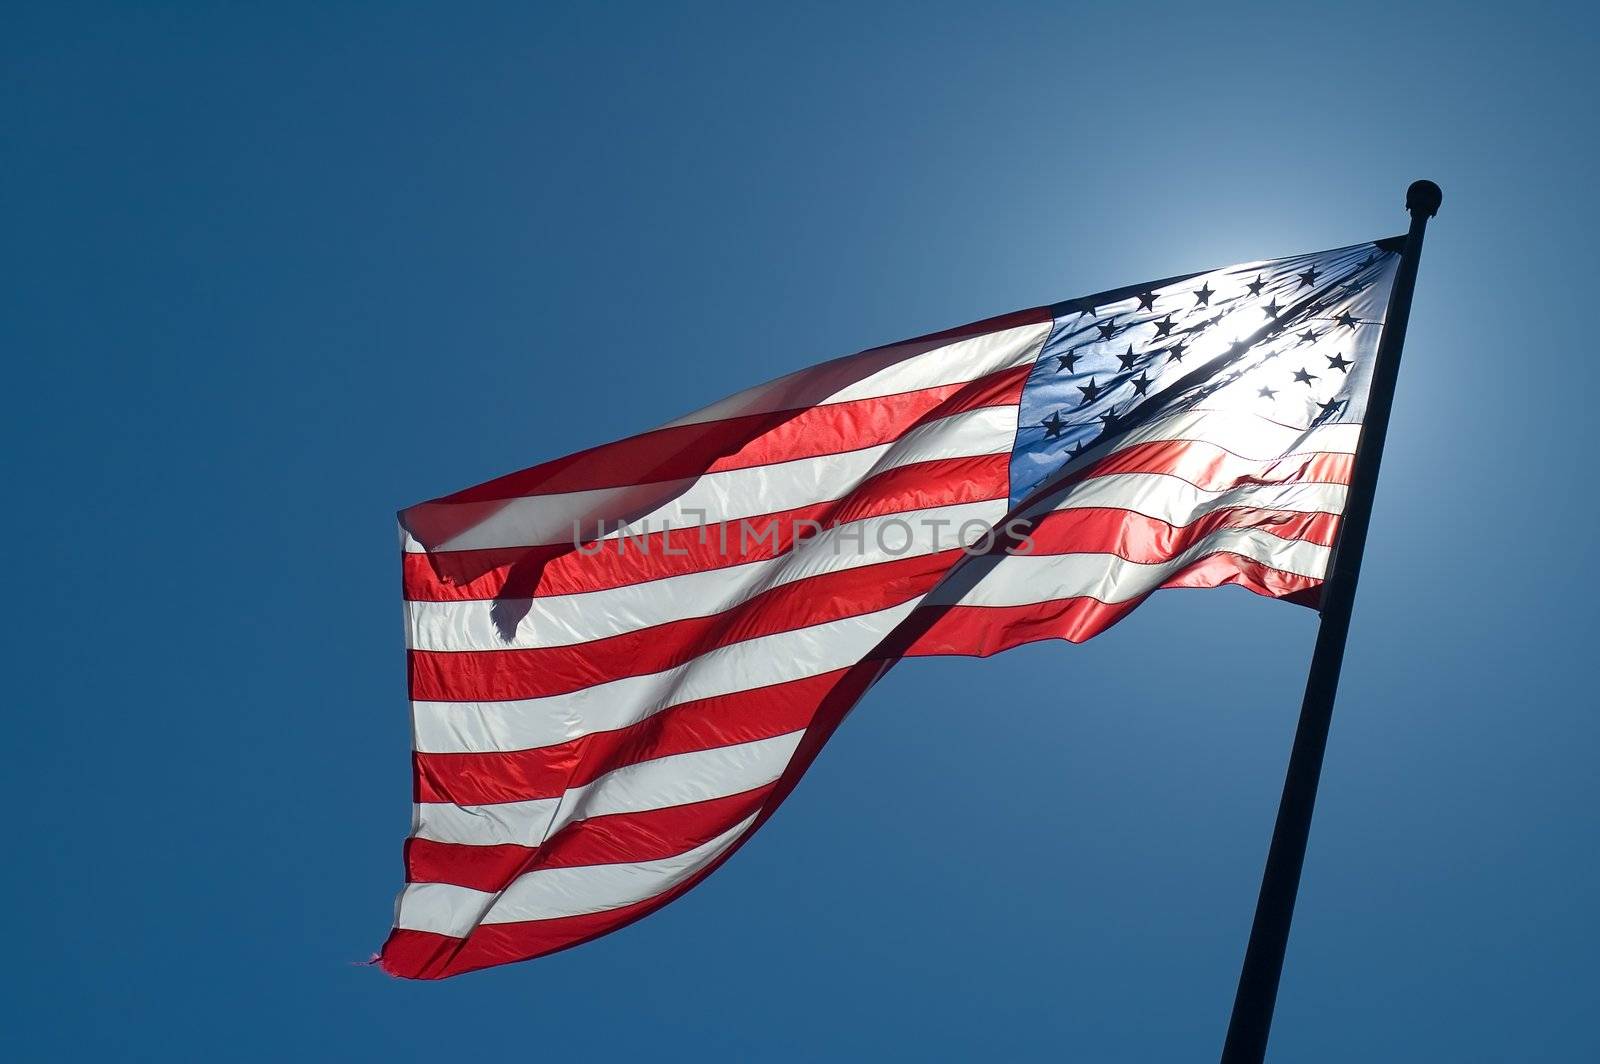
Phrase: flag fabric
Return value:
(622, 661)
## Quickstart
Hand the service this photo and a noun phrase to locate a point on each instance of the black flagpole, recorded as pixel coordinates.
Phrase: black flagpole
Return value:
(1269, 934)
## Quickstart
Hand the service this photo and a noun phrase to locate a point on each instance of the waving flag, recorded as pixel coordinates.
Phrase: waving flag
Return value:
(622, 661)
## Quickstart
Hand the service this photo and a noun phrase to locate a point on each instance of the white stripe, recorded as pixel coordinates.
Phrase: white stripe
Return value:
(1180, 503)
(679, 779)
(564, 620)
(1023, 580)
(551, 893)
(883, 371)
(462, 727)
(734, 493)
(1246, 435)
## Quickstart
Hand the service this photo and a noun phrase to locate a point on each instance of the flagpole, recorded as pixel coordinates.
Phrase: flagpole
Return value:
(1269, 934)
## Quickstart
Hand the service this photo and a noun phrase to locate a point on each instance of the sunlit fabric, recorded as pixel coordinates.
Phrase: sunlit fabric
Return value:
(622, 661)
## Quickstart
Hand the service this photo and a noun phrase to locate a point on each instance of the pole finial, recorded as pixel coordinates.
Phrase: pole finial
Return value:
(1424, 196)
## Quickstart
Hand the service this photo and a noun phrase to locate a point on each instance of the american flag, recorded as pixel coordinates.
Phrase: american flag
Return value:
(622, 661)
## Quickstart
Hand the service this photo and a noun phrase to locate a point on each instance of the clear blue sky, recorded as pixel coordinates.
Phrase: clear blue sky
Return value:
(272, 274)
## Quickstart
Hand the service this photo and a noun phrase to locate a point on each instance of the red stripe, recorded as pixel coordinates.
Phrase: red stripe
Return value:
(622, 837)
(682, 452)
(839, 427)
(1209, 466)
(528, 572)
(705, 723)
(979, 631)
(1138, 538)
(430, 955)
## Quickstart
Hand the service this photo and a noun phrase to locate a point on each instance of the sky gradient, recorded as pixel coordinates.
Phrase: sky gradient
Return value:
(272, 275)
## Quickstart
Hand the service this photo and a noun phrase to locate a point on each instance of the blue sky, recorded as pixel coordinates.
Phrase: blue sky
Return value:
(272, 274)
